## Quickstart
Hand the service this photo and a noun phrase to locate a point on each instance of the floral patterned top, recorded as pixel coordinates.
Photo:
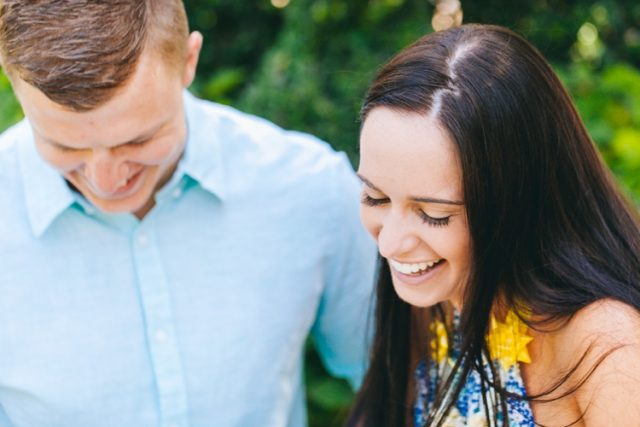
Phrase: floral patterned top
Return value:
(507, 346)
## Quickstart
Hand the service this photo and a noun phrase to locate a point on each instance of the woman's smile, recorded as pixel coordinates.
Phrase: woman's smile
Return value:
(416, 273)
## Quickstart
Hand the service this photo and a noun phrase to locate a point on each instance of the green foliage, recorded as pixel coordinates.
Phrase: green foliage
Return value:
(328, 399)
(221, 85)
(314, 76)
(609, 102)
(10, 111)
(236, 33)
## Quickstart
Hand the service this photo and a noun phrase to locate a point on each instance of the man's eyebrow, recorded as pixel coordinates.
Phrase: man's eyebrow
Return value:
(415, 199)
(140, 138)
(54, 143)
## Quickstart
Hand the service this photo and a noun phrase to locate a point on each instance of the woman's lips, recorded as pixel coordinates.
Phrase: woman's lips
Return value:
(420, 277)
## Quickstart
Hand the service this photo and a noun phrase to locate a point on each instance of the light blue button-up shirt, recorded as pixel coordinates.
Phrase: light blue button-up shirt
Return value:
(197, 315)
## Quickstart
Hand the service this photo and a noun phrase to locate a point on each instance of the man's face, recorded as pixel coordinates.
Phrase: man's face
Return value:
(119, 154)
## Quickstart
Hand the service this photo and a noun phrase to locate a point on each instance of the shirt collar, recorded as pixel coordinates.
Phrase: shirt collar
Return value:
(46, 192)
(203, 156)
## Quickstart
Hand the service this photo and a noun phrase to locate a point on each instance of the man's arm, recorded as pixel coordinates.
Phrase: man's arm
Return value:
(343, 322)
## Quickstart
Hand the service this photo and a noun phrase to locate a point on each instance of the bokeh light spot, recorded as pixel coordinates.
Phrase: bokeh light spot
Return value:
(280, 3)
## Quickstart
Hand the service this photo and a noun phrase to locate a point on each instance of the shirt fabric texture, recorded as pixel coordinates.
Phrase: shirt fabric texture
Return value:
(196, 315)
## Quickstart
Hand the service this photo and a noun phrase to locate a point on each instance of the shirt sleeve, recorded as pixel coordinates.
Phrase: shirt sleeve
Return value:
(4, 420)
(343, 325)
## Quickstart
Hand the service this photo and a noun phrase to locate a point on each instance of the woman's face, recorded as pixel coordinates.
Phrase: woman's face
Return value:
(412, 204)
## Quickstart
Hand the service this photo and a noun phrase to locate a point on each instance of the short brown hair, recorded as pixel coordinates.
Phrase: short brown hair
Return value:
(79, 52)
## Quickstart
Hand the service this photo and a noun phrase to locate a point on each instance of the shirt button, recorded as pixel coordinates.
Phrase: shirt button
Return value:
(177, 193)
(89, 210)
(161, 335)
(142, 239)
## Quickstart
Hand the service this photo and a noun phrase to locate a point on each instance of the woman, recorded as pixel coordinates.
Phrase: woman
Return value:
(509, 289)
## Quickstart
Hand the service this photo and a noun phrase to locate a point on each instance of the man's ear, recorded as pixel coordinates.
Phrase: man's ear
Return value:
(194, 44)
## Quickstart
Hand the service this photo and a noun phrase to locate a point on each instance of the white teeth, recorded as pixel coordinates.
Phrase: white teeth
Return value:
(412, 268)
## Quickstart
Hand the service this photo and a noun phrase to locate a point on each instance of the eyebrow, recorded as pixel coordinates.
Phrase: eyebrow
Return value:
(145, 136)
(415, 199)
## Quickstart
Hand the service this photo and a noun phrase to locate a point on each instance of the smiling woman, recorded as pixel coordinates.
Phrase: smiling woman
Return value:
(509, 288)
(415, 213)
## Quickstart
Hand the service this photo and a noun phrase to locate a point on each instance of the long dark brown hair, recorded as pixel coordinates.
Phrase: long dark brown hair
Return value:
(548, 226)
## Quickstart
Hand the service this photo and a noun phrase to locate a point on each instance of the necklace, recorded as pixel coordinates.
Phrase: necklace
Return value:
(507, 340)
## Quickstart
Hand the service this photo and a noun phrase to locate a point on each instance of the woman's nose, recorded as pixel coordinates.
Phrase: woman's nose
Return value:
(396, 238)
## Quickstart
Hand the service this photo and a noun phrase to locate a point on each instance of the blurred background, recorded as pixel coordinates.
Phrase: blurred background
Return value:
(305, 64)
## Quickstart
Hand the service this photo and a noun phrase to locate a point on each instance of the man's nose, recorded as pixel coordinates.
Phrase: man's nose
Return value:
(396, 237)
(106, 172)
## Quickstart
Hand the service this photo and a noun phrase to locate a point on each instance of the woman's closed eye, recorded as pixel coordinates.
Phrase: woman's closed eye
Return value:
(434, 221)
(426, 218)
(371, 201)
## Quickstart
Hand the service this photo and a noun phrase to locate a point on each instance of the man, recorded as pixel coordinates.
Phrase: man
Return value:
(162, 258)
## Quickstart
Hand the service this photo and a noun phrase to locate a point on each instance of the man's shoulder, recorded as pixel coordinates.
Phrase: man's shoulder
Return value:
(14, 133)
(9, 140)
(13, 214)
(263, 144)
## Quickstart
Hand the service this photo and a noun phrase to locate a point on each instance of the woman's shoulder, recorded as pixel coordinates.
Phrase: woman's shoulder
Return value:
(605, 324)
(602, 342)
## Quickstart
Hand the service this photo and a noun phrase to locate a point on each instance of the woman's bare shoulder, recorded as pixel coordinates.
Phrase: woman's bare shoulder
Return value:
(608, 320)
(603, 341)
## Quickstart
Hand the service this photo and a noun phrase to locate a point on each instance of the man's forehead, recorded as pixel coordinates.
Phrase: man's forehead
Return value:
(138, 111)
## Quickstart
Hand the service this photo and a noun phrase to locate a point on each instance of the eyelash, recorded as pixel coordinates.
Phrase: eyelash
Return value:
(435, 222)
(370, 201)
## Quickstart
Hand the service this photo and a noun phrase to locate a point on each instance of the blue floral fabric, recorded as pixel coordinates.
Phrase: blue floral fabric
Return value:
(469, 409)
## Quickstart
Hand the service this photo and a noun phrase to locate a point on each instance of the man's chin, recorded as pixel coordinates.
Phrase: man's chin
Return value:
(136, 200)
(130, 205)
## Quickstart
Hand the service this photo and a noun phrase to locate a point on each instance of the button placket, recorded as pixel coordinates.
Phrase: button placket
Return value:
(157, 310)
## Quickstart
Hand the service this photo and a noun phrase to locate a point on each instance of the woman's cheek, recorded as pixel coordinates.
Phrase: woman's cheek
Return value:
(370, 220)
